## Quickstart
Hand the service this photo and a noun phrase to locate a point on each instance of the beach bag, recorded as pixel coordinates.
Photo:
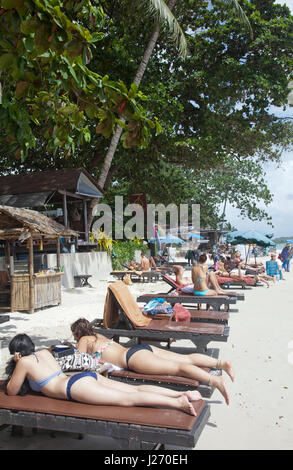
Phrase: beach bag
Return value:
(181, 313)
(79, 361)
(157, 306)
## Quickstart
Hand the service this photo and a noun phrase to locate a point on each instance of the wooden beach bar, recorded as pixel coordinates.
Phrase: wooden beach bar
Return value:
(22, 230)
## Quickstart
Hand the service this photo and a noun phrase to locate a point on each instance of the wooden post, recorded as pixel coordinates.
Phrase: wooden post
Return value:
(86, 228)
(7, 255)
(65, 214)
(31, 275)
(58, 253)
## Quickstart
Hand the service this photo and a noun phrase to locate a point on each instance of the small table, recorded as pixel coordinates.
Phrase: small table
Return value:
(81, 280)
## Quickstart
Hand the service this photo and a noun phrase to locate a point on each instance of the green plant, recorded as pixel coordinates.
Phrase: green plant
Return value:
(124, 252)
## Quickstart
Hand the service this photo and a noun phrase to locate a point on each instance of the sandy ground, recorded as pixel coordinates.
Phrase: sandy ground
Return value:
(260, 347)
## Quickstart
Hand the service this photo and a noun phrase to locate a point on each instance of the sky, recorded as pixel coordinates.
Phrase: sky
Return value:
(280, 183)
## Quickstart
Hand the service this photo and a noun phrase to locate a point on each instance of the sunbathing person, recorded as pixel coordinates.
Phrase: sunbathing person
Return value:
(243, 272)
(147, 359)
(40, 372)
(202, 279)
(237, 270)
(179, 271)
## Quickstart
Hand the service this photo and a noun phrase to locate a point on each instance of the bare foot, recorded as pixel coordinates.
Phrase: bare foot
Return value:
(220, 384)
(193, 395)
(227, 367)
(221, 292)
(185, 405)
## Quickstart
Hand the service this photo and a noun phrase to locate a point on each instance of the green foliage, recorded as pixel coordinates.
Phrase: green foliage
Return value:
(48, 88)
(123, 252)
(213, 108)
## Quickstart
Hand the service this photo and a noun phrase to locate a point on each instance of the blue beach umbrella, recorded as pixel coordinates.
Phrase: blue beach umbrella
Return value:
(259, 234)
(251, 237)
(195, 235)
(168, 240)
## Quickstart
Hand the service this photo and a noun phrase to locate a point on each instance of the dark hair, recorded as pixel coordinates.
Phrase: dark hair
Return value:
(82, 327)
(22, 344)
(202, 258)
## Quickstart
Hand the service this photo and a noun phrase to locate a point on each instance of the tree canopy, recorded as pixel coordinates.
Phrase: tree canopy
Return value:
(210, 110)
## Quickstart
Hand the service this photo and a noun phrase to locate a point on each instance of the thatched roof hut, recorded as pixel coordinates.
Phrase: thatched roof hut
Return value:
(30, 291)
(71, 189)
(16, 223)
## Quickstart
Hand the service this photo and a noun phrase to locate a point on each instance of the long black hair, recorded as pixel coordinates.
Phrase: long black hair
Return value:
(22, 344)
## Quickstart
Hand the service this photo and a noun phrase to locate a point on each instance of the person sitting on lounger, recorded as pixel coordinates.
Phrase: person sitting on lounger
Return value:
(145, 359)
(202, 279)
(40, 372)
(179, 271)
(144, 263)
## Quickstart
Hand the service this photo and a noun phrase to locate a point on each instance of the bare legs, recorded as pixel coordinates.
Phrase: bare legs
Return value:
(212, 279)
(104, 392)
(190, 366)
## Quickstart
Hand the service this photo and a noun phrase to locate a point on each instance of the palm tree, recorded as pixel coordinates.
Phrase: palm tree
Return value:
(164, 17)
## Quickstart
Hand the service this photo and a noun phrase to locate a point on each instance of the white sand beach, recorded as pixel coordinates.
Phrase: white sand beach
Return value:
(260, 415)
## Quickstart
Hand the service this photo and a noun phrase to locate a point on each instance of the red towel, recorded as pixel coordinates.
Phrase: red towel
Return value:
(181, 313)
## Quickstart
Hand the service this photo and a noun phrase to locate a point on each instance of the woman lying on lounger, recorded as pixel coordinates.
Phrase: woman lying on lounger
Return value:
(239, 270)
(40, 372)
(145, 359)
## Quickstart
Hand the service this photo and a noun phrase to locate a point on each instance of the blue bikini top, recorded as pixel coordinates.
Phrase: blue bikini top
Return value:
(37, 385)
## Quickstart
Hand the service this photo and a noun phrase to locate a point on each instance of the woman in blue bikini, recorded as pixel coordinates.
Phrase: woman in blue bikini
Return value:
(40, 372)
(201, 279)
(146, 359)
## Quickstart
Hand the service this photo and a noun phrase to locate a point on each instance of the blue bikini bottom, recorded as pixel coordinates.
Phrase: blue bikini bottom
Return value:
(200, 292)
(76, 377)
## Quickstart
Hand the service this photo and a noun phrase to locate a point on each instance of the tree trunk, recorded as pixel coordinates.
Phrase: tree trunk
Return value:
(138, 77)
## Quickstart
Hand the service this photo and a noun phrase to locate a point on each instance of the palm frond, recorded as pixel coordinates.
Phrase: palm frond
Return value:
(241, 14)
(160, 10)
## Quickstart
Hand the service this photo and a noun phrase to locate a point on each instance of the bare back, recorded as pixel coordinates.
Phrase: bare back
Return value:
(105, 349)
(198, 275)
(42, 365)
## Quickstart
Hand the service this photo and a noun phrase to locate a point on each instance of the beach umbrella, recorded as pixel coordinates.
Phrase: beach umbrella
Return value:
(252, 237)
(172, 240)
(168, 240)
(232, 235)
(195, 235)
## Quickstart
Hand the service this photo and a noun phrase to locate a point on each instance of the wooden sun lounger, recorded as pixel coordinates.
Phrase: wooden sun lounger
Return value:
(175, 286)
(231, 281)
(132, 427)
(123, 318)
(144, 276)
(213, 302)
